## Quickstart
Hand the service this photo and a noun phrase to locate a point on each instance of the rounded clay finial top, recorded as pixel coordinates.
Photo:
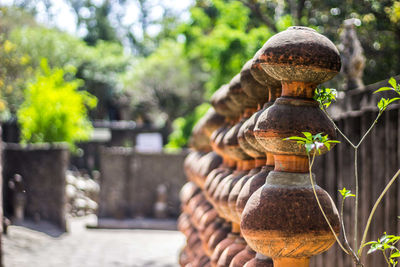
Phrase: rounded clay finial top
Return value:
(223, 104)
(251, 86)
(239, 96)
(300, 54)
(211, 121)
(259, 73)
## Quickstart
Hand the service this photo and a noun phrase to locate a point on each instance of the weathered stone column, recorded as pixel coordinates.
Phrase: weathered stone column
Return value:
(282, 220)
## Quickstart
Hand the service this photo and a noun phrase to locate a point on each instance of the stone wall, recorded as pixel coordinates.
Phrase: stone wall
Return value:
(129, 181)
(43, 171)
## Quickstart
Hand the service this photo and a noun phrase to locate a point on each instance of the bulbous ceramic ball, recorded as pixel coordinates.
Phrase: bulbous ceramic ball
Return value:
(207, 163)
(239, 96)
(217, 237)
(251, 185)
(300, 54)
(188, 191)
(284, 212)
(223, 196)
(234, 194)
(215, 189)
(231, 251)
(243, 257)
(184, 257)
(199, 212)
(215, 139)
(251, 86)
(259, 73)
(199, 140)
(208, 232)
(259, 261)
(291, 117)
(209, 217)
(248, 148)
(231, 143)
(194, 202)
(211, 121)
(190, 163)
(223, 104)
(230, 239)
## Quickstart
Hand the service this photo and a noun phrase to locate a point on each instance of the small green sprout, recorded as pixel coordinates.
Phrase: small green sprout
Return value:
(313, 142)
(385, 102)
(325, 96)
(346, 193)
(386, 244)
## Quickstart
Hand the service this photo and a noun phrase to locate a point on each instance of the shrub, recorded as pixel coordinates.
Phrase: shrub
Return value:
(54, 110)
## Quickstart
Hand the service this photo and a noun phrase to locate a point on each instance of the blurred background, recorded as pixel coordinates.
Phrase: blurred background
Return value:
(98, 98)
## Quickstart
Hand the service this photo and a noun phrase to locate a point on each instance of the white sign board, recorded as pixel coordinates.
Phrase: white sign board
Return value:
(149, 142)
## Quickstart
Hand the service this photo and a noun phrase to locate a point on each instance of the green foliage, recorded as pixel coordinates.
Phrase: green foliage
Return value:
(325, 96)
(98, 66)
(164, 86)
(220, 38)
(54, 110)
(14, 72)
(313, 142)
(387, 245)
(346, 193)
(183, 127)
(385, 102)
(61, 49)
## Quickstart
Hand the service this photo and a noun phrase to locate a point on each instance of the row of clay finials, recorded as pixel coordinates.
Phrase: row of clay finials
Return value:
(249, 200)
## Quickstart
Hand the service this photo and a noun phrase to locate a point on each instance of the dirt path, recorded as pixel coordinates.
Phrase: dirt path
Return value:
(94, 247)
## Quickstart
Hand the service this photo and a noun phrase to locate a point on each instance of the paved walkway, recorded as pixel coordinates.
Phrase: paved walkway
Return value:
(91, 247)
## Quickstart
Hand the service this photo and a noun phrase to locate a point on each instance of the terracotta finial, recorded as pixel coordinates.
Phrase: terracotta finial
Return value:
(281, 219)
(252, 87)
(301, 59)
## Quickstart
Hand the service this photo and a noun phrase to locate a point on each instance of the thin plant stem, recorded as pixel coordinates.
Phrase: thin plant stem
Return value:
(373, 211)
(346, 242)
(337, 128)
(386, 259)
(320, 206)
(356, 198)
(370, 128)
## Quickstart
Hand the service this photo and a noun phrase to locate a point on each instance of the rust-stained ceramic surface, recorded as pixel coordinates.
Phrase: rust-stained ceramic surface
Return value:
(295, 226)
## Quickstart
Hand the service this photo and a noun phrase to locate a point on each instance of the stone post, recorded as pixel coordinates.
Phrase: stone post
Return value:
(281, 219)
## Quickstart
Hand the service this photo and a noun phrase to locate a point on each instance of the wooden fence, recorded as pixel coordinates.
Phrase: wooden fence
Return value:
(379, 159)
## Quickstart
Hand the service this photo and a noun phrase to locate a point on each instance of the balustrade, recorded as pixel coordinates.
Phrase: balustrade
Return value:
(249, 199)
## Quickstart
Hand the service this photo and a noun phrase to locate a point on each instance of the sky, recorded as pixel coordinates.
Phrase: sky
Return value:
(65, 19)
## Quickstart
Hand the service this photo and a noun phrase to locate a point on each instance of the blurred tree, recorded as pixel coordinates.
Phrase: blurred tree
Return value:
(65, 119)
(98, 66)
(163, 85)
(220, 37)
(183, 127)
(95, 19)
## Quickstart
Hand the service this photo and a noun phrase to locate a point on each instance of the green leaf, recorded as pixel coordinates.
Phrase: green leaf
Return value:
(309, 147)
(382, 104)
(383, 89)
(296, 138)
(347, 193)
(307, 135)
(395, 255)
(392, 82)
(328, 146)
(318, 137)
(370, 243)
(393, 99)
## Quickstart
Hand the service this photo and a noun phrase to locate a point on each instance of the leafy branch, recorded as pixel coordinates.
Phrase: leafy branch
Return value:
(325, 96)
(315, 143)
(386, 244)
